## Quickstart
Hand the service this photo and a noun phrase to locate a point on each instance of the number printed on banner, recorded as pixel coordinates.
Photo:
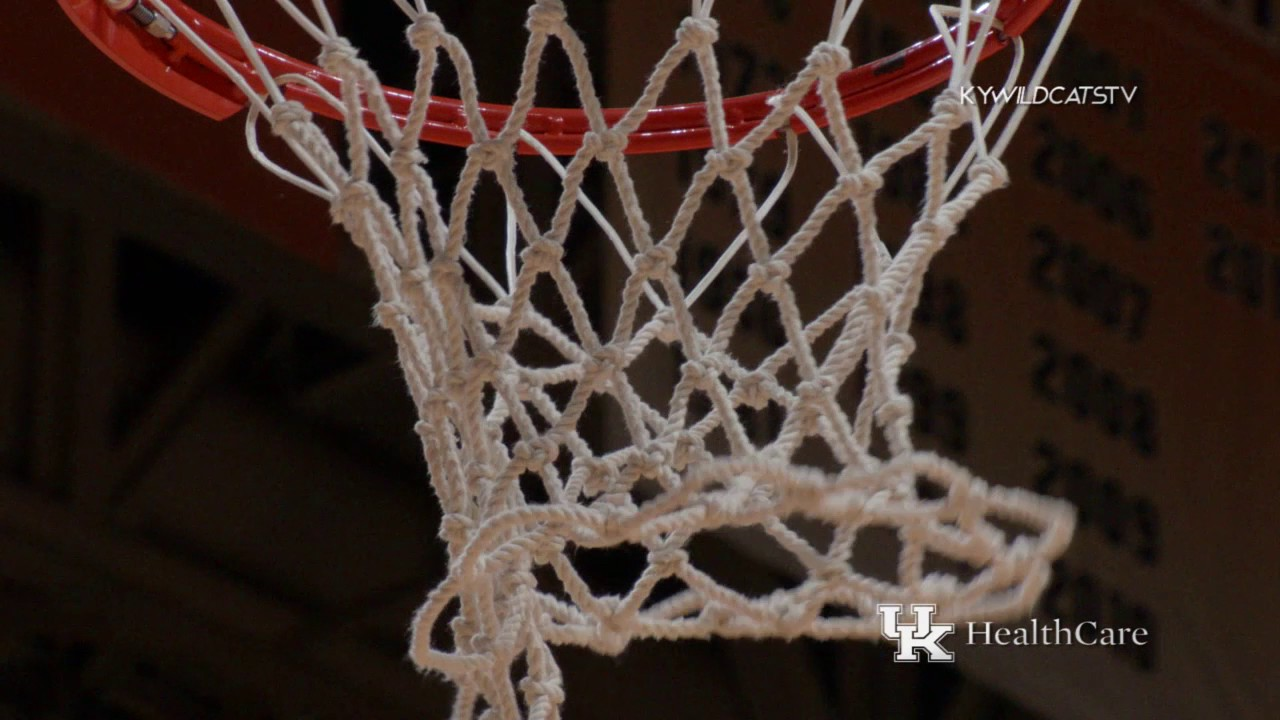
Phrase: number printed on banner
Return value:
(1241, 269)
(1065, 269)
(1072, 381)
(1127, 522)
(944, 308)
(1075, 596)
(941, 413)
(1064, 163)
(1241, 165)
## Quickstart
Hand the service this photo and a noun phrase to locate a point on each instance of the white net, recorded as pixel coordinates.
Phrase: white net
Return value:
(489, 419)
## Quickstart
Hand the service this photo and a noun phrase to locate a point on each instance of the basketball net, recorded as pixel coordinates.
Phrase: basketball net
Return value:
(488, 419)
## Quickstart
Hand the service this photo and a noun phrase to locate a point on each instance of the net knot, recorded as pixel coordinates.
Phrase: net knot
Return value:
(689, 450)
(864, 183)
(606, 146)
(655, 262)
(436, 402)
(895, 410)
(490, 154)
(754, 389)
(424, 32)
(289, 118)
(668, 331)
(949, 108)
(462, 627)
(478, 643)
(900, 347)
(545, 552)
(535, 454)
(874, 297)
(606, 361)
(812, 392)
(484, 367)
(729, 162)
(939, 227)
(792, 616)
(649, 461)
(390, 312)
(615, 507)
(542, 255)
(355, 197)
(404, 160)
(609, 638)
(455, 528)
(598, 476)
(771, 276)
(415, 279)
(546, 17)
(446, 270)
(535, 690)
(695, 33)
(340, 57)
(701, 370)
(829, 59)
(990, 167)
(667, 561)
(833, 572)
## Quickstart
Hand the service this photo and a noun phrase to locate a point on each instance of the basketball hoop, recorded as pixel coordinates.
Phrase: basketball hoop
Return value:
(471, 385)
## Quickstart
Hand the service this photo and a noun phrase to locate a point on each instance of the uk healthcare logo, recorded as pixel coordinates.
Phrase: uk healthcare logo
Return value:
(920, 639)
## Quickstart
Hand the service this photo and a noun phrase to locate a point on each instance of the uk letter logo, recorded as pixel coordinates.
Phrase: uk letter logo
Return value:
(923, 638)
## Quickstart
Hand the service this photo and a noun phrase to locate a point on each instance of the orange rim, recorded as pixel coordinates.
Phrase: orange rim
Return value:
(181, 72)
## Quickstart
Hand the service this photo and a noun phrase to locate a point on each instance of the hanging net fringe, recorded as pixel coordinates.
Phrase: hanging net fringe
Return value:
(457, 352)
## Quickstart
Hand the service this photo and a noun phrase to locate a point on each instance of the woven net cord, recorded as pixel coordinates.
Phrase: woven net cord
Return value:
(491, 614)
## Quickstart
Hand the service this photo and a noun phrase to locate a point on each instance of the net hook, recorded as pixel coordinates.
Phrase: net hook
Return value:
(148, 19)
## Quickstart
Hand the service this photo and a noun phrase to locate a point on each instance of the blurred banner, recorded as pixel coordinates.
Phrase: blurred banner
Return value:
(1106, 330)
